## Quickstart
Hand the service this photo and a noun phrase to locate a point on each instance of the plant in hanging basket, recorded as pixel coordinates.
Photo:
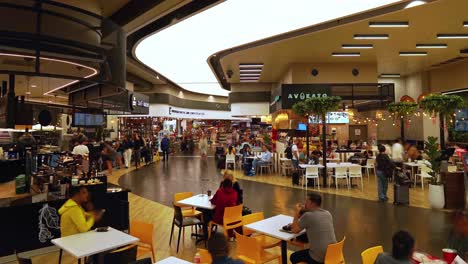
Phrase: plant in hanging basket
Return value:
(442, 104)
(402, 109)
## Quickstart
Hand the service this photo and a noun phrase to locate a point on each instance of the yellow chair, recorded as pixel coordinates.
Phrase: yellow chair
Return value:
(205, 256)
(250, 251)
(334, 253)
(265, 241)
(232, 219)
(144, 232)
(370, 255)
(186, 211)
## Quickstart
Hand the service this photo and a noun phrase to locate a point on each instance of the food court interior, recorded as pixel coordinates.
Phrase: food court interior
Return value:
(175, 131)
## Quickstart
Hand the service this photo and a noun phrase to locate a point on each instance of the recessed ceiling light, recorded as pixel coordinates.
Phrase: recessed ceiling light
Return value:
(431, 46)
(346, 54)
(452, 36)
(28, 93)
(157, 77)
(389, 24)
(390, 75)
(413, 53)
(33, 85)
(371, 36)
(415, 3)
(250, 70)
(357, 46)
(250, 65)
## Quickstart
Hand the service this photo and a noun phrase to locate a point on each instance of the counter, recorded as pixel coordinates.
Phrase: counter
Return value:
(27, 224)
(10, 169)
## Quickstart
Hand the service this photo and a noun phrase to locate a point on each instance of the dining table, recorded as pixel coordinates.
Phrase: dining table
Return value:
(202, 203)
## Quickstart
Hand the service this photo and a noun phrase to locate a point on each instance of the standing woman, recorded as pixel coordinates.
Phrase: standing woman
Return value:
(108, 156)
(137, 146)
(384, 170)
(203, 146)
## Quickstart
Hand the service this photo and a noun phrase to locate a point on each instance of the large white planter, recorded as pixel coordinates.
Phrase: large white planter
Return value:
(436, 196)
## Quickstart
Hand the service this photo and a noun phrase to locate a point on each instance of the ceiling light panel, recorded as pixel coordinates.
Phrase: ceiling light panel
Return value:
(389, 24)
(371, 36)
(250, 65)
(357, 46)
(431, 46)
(250, 70)
(390, 75)
(452, 36)
(413, 53)
(346, 54)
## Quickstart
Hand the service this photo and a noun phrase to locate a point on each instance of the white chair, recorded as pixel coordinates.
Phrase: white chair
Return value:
(370, 165)
(424, 174)
(340, 173)
(356, 172)
(311, 173)
(230, 159)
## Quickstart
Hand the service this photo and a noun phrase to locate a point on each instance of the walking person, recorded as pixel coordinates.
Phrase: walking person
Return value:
(165, 148)
(383, 170)
(137, 146)
(108, 156)
(128, 150)
(203, 146)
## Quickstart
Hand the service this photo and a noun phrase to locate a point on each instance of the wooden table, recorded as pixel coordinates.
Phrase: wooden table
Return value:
(91, 243)
(272, 226)
(173, 260)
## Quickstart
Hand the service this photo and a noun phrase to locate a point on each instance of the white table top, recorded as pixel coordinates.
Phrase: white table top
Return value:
(412, 164)
(320, 166)
(271, 227)
(199, 200)
(173, 260)
(330, 165)
(92, 242)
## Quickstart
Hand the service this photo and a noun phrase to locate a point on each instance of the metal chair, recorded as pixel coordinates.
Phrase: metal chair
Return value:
(180, 221)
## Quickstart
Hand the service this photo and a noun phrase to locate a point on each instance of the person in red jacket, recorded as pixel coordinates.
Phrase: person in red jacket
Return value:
(224, 197)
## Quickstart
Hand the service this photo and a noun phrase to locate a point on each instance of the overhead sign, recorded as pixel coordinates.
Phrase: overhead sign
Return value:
(185, 112)
(293, 93)
(138, 103)
(332, 118)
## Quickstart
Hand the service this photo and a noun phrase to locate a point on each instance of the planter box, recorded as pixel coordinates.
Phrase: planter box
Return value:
(454, 189)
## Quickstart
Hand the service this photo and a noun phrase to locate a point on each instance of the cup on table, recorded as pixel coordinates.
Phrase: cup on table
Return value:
(209, 193)
(449, 255)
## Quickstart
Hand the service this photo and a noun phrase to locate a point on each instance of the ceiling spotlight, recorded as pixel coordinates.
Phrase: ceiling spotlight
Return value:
(431, 46)
(412, 53)
(452, 36)
(389, 24)
(157, 77)
(28, 93)
(346, 54)
(33, 85)
(415, 3)
(357, 46)
(390, 75)
(371, 36)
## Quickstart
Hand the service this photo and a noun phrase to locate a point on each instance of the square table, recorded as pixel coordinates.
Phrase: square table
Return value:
(173, 260)
(198, 201)
(272, 226)
(91, 243)
(412, 165)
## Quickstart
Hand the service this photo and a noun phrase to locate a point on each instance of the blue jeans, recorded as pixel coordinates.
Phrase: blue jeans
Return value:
(257, 162)
(382, 185)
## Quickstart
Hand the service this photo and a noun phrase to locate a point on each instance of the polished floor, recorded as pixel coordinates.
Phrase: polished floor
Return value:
(364, 222)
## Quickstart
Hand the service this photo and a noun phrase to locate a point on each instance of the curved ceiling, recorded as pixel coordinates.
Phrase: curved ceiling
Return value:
(180, 52)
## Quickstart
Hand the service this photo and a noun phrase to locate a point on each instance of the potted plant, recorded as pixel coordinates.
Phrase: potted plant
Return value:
(402, 110)
(444, 106)
(436, 188)
(318, 107)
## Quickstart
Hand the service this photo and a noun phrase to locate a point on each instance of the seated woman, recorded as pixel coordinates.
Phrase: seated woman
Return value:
(224, 197)
(229, 175)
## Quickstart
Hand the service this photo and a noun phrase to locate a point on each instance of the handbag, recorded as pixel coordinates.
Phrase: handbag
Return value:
(246, 210)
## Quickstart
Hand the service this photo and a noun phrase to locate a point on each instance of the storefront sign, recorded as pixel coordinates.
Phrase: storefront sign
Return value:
(293, 93)
(184, 112)
(139, 103)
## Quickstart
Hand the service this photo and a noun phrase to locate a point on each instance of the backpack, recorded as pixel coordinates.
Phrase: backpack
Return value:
(288, 152)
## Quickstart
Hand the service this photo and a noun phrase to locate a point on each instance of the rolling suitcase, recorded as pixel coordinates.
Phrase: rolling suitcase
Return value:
(401, 194)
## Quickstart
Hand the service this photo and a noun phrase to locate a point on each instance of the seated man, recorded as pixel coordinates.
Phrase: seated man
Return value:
(402, 250)
(73, 218)
(318, 224)
(263, 159)
(219, 250)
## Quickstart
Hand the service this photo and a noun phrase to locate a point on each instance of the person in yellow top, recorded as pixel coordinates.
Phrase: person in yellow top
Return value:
(73, 218)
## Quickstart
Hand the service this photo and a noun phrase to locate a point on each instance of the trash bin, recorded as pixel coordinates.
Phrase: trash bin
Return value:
(20, 183)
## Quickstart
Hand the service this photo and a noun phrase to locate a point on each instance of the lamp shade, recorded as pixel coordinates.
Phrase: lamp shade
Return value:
(407, 98)
(422, 96)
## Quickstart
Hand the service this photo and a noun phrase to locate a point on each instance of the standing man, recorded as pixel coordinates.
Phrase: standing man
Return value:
(165, 148)
(318, 224)
(128, 150)
(398, 152)
(295, 155)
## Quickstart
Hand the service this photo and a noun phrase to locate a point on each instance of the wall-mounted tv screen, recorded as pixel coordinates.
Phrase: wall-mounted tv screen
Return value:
(301, 127)
(332, 118)
(88, 120)
(461, 120)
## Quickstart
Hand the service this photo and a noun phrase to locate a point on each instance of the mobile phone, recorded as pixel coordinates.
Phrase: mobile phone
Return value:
(102, 229)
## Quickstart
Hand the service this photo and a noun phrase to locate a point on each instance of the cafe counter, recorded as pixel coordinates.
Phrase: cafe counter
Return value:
(30, 222)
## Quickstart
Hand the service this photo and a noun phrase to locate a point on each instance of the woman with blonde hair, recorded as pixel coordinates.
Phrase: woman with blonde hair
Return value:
(203, 144)
(229, 175)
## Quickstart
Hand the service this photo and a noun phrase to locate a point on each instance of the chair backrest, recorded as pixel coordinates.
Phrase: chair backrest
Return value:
(182, 196)
(205, 256)
(340, 171)
(355, 170)
(334, 253)
(142, 261)
(143, 231)
(233, 215)
(22, 260)
(251, 218)
(370, 162)
(123, 255)
(230, 157)
(370, 255)
(178, 214)
(248, 247)
(312, 171)
(425, 169)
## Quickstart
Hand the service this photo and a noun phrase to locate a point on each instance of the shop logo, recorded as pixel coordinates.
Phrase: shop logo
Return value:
(303, 96)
